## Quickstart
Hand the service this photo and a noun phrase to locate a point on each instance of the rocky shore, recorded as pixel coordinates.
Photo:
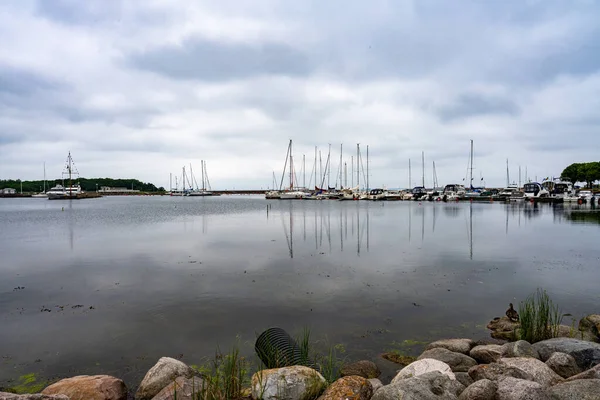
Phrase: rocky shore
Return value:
(562, 368)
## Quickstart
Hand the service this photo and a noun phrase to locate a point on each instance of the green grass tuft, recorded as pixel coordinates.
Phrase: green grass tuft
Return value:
(540, 318)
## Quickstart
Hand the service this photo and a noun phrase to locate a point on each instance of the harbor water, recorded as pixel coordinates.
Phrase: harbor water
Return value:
(109, 285)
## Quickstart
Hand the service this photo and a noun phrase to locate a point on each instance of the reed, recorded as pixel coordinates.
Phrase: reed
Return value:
(224, 377)
(540, 318)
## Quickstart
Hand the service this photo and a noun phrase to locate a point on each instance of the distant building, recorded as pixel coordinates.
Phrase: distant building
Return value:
(116, 190)
(8, 191)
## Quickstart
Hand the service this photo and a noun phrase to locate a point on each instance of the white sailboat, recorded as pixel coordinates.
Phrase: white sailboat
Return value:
(43, 194)
(206, 189)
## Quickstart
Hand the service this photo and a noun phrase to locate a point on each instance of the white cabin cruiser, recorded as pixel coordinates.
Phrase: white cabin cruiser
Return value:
(534, 190)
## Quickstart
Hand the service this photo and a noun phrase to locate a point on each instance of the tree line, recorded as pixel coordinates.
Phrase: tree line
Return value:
(87, 184)
(582, 172)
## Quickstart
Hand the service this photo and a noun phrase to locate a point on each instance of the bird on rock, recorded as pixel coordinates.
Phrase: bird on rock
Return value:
(512, 314)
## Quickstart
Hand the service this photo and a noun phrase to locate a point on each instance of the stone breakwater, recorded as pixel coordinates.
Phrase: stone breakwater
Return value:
(562, 368)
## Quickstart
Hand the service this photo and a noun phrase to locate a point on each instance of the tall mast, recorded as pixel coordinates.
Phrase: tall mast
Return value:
(471, 181)
(519, 177)
(409, 175)
(352, 171)
(170, 181)
(423, 165)
(315, 166)
(434, 176)
(203, 172)
(367, 168)
(358, 165)
(304, 170)
(345, 174)
(45, 177)
(291, 168)
(328, 166)
(321, 176)
(341, 152)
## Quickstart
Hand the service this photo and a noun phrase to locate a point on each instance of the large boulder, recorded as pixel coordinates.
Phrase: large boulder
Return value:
(592, 373)
(520, 348)
(365, 368)
(463, 346)
(540, 372)
(503, 328)
(583, 389)
(518, 389)
(287, 383)
(165, 371)
(37, 396)
(424, 366)
(429, 386)
(563, 364)
(480, 390)
(182, 388)
(495, 372)
(486, 354)
(86, 387)
(566, 331)
(586, 354)
(458, 362)
(353, 387)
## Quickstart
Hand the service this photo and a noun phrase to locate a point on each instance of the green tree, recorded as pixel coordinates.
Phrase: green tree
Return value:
(582, 172)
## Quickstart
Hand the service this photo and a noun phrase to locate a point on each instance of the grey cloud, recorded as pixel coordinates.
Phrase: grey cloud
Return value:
(21, 82)
(205, 60)
(470, 105)
(76, 12)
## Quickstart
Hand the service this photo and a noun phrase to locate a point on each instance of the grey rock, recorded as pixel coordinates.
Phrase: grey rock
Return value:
(487, 353)
(592, 373)
(584, 389)
(566, 331)
(520, 348)
(37, 396)
(518, 389)
(563, 364)
(480, 390)
(351, 387)
(540, 372)
(586, 354)
(424, 366)
(458, 362)
(165, 371)
(181, 389)
(376, 384)
(429, 386)
(287, 383)
(463, 346)
(497, 371)
(464, 378)
(591, 324)
(503, 328)
(365, 368)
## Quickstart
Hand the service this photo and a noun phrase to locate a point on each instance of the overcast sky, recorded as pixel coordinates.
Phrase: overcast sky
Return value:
(141, 88)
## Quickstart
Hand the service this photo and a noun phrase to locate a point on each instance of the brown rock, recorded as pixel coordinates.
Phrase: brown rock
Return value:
(590, 323)
(497, 371)
(458, 362)
(592, 373)
(456, 345)
(349, 387)
(563, 364)
(480, 390)
(540, 372)
(365, 368)
(165, 371)
(181, 389)
(503, 328)
(85, 387)
(487, 354)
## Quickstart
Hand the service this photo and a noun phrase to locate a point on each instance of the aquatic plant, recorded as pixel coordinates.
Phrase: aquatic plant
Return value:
(540, 318)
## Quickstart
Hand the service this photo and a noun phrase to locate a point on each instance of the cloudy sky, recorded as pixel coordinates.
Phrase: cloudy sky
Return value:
(141, 88)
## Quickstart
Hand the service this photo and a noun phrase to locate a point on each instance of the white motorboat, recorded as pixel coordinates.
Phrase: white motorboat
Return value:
(292, 195)
(376, 194)
(272, 194)
(534, 190)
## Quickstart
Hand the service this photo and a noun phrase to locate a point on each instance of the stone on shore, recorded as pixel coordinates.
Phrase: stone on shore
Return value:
(165, 371)
(287, 383)
(365, 368)
(540, 372)
(464, 378)
(583, 389)
(463, 346)
(352, 387)
(480, 390)
(458, 362)
(520, 348)
(495, 372)
(37, 396)
(86, 387)
(566, 331)
(181, 389)
(591, 324)
(503, 328)
(429, 386)
(592, 373)
(563, 364)
(518, 389)
(376, 384)
(586, 354)
(487, 354)
(424, 366)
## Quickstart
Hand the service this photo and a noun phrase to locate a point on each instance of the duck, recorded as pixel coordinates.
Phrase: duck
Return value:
(512, 314)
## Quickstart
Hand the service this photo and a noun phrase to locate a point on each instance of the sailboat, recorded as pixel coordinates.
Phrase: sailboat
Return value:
(471, 191)
(72, 191)
(43, 194)
(205, 190)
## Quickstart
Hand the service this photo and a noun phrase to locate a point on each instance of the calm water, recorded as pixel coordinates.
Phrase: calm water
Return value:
(180, 276)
